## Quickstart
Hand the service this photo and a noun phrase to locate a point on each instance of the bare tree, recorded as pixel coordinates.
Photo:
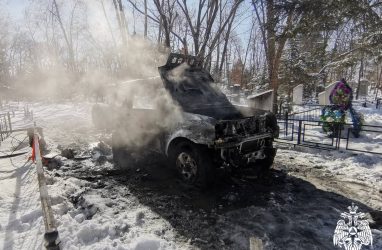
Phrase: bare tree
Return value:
(121, 19)
(273, 43)
(68, 40)
(145, 25)
(201, 27)
(108, 23)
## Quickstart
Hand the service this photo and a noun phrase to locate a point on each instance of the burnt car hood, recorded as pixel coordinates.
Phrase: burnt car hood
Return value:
(193, 88)
(228, 112)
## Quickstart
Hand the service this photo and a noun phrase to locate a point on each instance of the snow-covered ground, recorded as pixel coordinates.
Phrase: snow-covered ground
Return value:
(99, 207)
(86, 220)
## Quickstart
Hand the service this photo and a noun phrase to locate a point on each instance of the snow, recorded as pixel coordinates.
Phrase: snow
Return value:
(21, 224)
(20, 213)
(98, 208)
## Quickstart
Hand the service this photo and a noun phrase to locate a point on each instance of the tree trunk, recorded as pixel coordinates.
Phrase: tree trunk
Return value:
(67, 41)
(360, 75)
(379, 82)
(108, 23)
(145, 30)
(164, 23)
(225, 47)
(245, 56)
(275, 53)
(271, 42)
(120, 15)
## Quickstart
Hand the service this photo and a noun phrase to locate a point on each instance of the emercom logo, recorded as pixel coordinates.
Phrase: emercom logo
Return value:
(353, 230)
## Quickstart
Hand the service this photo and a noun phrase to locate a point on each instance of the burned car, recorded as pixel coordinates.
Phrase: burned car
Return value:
(195, 126)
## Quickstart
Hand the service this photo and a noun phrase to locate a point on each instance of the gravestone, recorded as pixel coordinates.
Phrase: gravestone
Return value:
(236, 92)
(263, 100)
(297, 94)
(323, 97)
(363, 88)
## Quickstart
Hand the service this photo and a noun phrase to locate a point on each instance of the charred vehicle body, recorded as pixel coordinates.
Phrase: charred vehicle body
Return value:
(201, 131)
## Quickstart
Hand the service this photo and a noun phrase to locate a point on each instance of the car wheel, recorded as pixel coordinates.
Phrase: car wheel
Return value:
(192, 163)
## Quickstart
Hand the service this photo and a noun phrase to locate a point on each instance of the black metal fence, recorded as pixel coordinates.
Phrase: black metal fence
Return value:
(307, 133)
(370, 140)
(304, 128)
(378, 104)
(311, 112)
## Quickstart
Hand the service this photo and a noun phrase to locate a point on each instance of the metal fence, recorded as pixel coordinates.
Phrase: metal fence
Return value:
(311, 112)
(307, 133)
(304, 128)
(370, 140)
(5, 126)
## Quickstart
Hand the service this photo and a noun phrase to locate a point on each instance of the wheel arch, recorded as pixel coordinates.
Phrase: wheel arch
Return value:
(174, 142)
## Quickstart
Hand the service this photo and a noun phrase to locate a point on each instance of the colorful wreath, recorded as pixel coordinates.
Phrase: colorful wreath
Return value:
(333, 116)
(333, 119)
(341, 95)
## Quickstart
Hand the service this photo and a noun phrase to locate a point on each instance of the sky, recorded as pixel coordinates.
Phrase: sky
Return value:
(15, 8)
(98, 26)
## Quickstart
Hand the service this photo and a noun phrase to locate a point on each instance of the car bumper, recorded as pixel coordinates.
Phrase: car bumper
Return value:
(242, 152)
(253, 141)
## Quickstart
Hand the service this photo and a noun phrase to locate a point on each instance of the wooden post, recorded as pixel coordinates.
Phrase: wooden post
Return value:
(1, 132)
(51, 237)
(9, 122)
(5, 123)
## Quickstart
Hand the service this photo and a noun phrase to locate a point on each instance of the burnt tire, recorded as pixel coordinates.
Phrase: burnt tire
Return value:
(192, 163)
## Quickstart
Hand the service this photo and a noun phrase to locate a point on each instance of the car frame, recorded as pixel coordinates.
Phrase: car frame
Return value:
(208, 134)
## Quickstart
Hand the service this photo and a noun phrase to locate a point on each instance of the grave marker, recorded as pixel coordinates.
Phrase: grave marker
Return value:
(363, 88)
(323, 97)
(297, 94)
(263, 100)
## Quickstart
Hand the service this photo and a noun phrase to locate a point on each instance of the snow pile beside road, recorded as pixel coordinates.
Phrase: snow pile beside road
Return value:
(358, 166)
(97, 219)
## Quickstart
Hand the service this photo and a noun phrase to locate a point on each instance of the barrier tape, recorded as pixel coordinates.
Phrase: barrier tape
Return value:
(51, 237)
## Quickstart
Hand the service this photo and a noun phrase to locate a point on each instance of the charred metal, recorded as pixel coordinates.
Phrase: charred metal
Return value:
(210, 132)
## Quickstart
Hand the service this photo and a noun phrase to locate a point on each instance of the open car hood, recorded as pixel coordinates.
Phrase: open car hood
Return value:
(193, 88)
